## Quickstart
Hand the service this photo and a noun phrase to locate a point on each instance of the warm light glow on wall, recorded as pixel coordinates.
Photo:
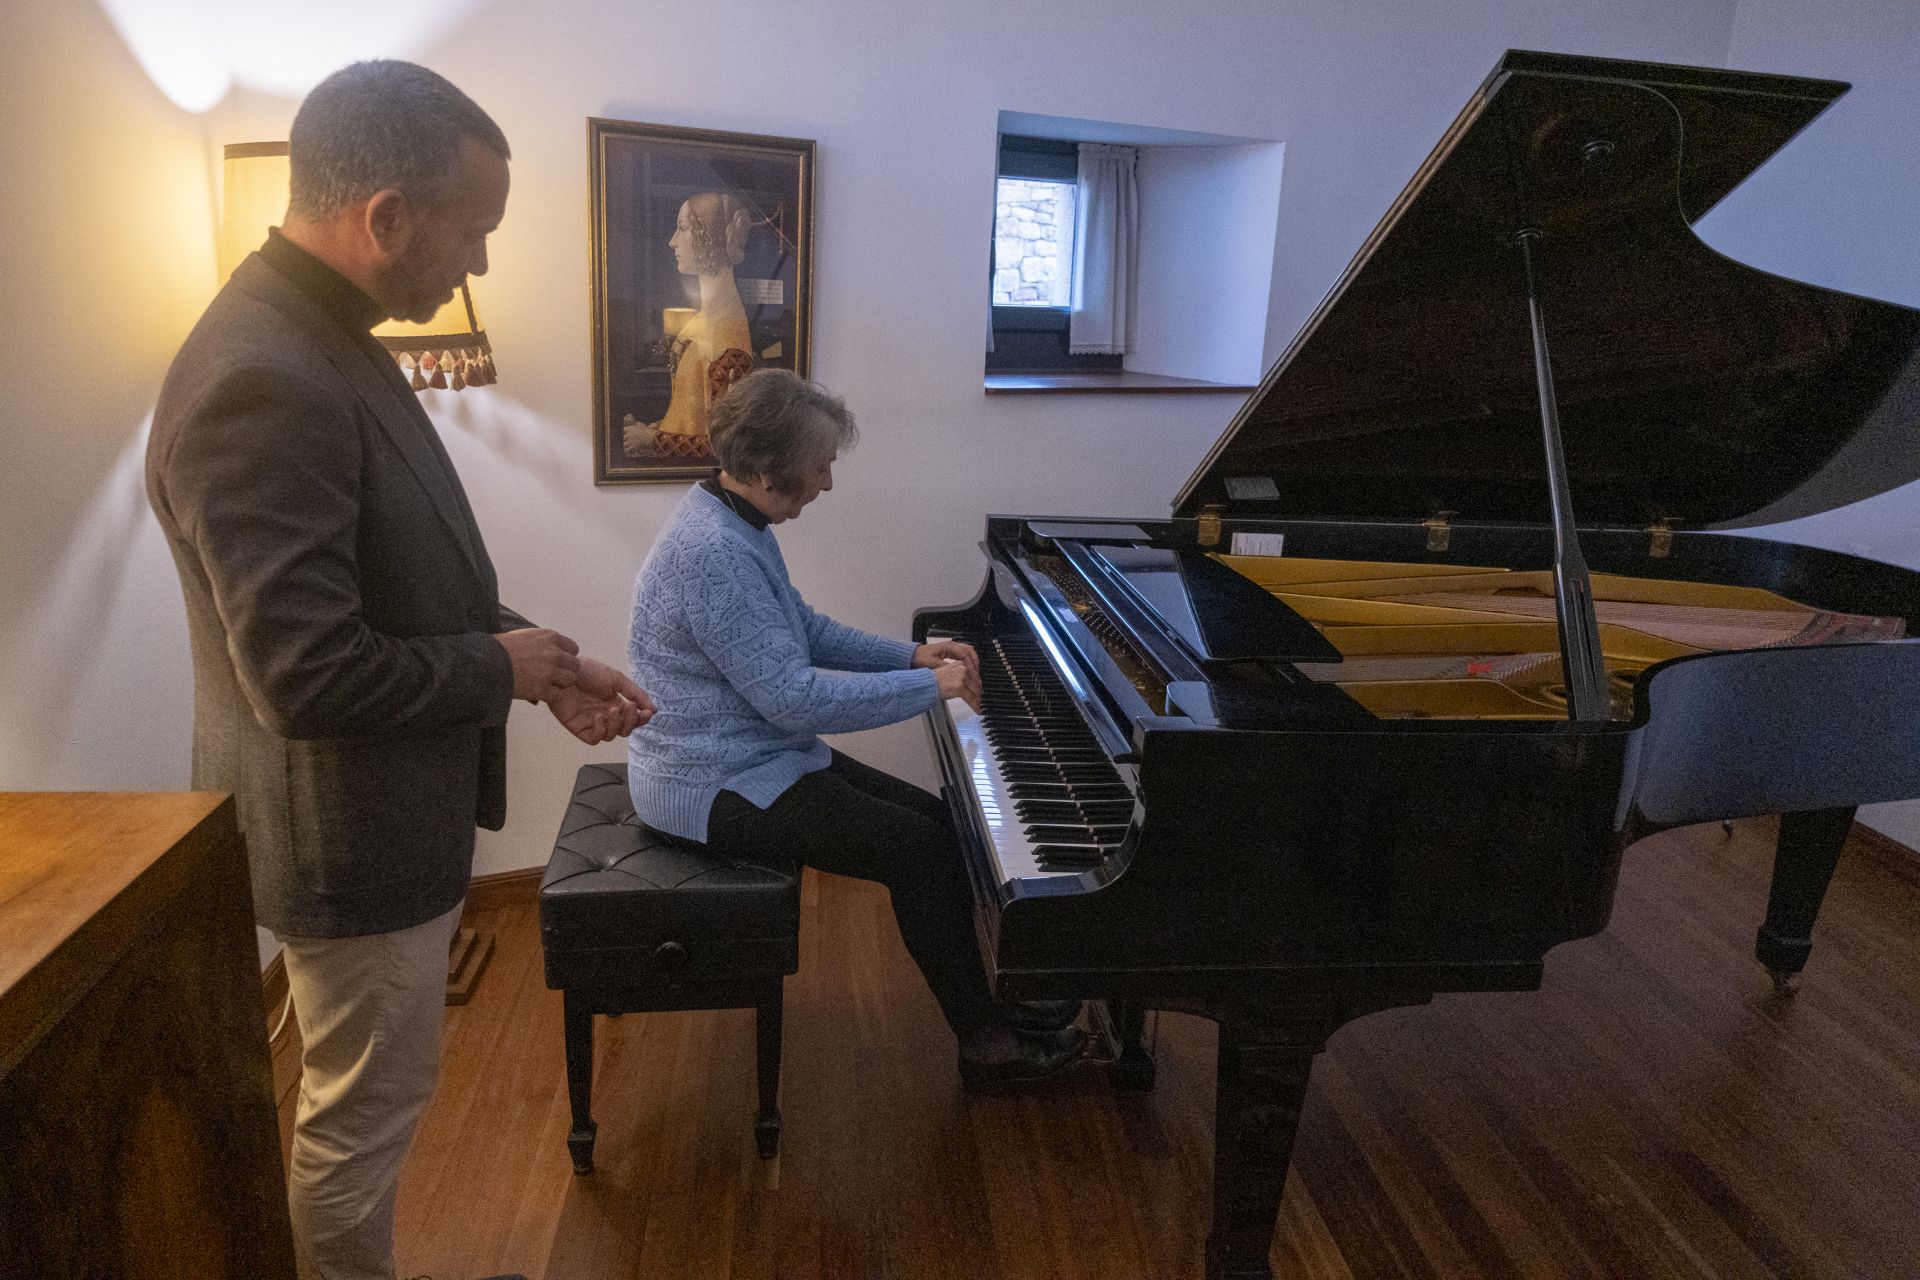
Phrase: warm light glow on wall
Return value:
(197, 51)
(178, 44)
(450, 350)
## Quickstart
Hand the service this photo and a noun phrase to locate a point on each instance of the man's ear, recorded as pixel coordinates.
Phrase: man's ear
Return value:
(389, 222)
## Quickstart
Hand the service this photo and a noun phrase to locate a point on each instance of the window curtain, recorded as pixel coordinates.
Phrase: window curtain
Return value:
(1107, 231)
(993, 251)
(989, 306)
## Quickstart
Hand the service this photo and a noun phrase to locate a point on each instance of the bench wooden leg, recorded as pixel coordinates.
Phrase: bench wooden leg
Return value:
(579, 1032)
(766, 1129)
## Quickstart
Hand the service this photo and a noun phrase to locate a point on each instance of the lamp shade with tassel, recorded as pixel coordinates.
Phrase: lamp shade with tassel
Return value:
(451, 350)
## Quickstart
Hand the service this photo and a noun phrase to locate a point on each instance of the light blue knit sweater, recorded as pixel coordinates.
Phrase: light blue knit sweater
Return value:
(745, 675)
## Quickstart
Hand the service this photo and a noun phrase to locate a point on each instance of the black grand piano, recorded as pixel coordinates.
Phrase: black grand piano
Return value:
(1449, 616)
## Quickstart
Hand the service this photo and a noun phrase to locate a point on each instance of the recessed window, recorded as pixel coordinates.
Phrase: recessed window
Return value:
(1192, 303)
(1033, 263)
(1033, 243)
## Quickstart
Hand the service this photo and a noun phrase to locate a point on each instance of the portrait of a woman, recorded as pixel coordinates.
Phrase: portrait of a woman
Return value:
(712, 349)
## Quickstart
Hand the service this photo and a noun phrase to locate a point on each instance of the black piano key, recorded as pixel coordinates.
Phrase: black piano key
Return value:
(1080, 848)
(1047, 811)
(1005, 737)
(1053, 857)
(1062, 791)
(1027, 771)
(1039, 791)
(1059, 833)
(1058, 789)
(1090, 854)
(1075, 834)
(1004, 719)
(1044, 755)
(1053, 812)
(1097, 794)
(1092, 771)
(1056, 752)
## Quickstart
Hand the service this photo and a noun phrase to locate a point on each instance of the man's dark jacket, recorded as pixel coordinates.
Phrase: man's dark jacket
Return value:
(340, 605)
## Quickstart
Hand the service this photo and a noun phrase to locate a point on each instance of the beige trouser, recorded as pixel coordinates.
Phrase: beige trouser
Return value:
(369, 1011)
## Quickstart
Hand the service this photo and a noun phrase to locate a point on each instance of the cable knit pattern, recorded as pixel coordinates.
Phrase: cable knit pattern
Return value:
(745, 675)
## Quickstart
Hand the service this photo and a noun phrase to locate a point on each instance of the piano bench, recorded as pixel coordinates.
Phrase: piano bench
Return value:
(633, 921)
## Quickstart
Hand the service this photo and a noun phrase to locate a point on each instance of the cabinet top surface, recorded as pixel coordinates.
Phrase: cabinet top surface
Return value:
(64, 856)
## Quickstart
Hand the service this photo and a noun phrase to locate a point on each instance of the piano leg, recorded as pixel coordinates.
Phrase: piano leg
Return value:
(1132, 1070)
(1266, 1054)
(1803, 863)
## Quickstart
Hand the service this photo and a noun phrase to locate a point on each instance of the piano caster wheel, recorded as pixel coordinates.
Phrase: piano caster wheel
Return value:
(1131, 1073)
(1726, 827)
(766, 1135)
(580, 1147)
(1785, 981)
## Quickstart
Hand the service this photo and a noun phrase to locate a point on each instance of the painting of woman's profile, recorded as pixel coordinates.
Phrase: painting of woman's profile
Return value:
(701, 273)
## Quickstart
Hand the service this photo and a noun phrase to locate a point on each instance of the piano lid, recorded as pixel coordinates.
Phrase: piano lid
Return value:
(1691, 387)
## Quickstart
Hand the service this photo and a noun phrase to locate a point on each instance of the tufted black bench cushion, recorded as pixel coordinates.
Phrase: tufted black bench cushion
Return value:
(635, 921)
(622, 903)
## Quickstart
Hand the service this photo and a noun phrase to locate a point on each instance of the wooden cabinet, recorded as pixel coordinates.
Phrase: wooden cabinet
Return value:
(137, 1130)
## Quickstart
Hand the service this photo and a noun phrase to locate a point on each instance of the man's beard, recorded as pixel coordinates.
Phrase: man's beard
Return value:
(409, 298)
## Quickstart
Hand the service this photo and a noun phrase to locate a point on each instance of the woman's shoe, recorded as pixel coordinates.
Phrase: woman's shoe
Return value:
(1037, 1056)
(1040, 1015)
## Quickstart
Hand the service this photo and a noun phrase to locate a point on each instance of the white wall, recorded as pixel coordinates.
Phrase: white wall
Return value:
(1840, 207)
(107, 256)
(1206, 228)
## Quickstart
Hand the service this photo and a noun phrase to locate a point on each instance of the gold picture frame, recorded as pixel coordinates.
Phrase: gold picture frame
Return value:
(702, 269)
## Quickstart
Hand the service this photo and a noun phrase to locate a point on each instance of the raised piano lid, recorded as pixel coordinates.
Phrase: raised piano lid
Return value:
(1691, 388)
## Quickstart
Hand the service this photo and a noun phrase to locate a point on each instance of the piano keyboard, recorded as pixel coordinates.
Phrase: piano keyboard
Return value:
(1049, 799)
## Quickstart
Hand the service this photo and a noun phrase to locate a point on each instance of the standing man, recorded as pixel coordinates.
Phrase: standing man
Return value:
(353, 665)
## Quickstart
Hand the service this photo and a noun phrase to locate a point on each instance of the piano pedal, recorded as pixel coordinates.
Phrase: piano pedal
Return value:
(1129, 1069)
(1103, 1042)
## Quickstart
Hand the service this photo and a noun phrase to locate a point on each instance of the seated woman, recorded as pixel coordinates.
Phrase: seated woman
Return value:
(746, 675)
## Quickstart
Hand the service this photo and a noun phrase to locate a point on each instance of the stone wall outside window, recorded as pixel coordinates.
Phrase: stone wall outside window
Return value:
(1033, 244)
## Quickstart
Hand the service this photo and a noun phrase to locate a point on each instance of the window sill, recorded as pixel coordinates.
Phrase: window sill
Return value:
(1020, 384)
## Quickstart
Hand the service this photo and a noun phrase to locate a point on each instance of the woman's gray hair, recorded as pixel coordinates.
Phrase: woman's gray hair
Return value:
(775, 426)
(380, 124)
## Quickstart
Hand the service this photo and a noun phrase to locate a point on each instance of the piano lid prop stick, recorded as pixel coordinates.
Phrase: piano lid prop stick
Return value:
(1580, 653)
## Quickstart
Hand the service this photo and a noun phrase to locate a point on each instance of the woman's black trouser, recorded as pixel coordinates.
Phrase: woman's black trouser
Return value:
(853, 820)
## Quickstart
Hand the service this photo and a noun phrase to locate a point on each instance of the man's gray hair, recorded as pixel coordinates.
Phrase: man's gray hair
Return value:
(774, 426)
(381, 124)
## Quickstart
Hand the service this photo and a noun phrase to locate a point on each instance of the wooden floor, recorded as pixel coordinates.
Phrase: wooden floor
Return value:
(1653, 1111)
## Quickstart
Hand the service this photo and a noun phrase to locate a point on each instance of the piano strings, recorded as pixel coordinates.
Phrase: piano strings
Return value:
(1471, 643)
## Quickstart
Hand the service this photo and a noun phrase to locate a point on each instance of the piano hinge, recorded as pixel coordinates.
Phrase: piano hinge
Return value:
(1440, 530)
(1207, 525)
(1660, 539)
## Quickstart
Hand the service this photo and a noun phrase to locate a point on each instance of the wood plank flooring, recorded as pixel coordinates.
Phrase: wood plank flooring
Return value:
(1653, 1111)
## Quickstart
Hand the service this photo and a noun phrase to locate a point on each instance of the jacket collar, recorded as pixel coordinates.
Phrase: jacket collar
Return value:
(382, 388)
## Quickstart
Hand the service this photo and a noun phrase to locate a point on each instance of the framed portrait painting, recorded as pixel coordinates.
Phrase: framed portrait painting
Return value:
(702, 267)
